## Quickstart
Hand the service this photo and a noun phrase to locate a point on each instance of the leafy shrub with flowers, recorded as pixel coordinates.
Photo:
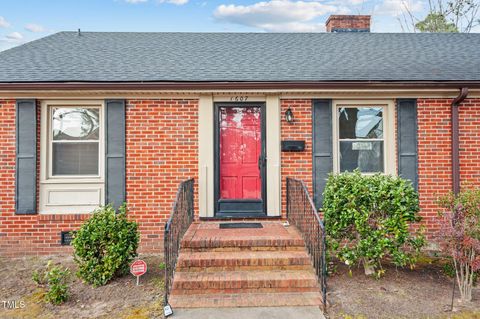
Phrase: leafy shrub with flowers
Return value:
(368, 218)
(460, 235)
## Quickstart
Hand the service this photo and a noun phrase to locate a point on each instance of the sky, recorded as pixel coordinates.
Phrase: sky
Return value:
(26, 20)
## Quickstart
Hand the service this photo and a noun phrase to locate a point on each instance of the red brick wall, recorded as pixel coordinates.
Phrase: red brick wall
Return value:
(23, 235)
(161, 151)
(434, 158)
(434, 153)
(297, 164)
(434, 139)
(469, 115)
(162, 139)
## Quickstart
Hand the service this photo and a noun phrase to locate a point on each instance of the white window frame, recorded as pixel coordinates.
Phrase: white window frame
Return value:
(389, 145)
(78, 193)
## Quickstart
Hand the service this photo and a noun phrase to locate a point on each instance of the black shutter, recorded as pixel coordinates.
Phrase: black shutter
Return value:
(26, 158)
(322, 147)
(115, 152)
(407, 140)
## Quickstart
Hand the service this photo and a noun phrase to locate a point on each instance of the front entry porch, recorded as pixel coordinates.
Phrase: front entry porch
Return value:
(244, 267)
(261, 263)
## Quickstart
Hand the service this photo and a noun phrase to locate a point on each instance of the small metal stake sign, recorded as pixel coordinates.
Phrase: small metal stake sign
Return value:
(138, 268)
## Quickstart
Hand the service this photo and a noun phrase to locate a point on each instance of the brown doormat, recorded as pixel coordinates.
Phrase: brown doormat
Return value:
(240, 225)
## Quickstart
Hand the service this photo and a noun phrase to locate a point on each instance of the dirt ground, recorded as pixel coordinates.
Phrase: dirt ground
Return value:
(402, 293)
(424, 292)
(120, 299)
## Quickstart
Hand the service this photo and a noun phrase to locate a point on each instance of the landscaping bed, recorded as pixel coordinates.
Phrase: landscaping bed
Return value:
(119, 299)
(425, 292)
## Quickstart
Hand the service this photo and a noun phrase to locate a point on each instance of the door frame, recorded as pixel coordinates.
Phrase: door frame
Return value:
(216, 156)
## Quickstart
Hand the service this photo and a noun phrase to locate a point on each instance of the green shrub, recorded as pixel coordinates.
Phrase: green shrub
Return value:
(368, 218)
(55, 279)
(105, 245)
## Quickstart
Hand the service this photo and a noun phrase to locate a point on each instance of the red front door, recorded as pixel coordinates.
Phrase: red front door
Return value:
(240, 158)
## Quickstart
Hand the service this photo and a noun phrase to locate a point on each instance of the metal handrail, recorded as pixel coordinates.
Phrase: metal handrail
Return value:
(302, 213)
(180, 220)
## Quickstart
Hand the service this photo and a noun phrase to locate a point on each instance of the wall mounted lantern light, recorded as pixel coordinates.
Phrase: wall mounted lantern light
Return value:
(289, 115)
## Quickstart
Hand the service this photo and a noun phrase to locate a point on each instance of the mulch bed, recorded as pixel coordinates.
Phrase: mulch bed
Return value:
(425, 292)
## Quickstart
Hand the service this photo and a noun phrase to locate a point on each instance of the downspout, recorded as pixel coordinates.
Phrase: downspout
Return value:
(456, 140)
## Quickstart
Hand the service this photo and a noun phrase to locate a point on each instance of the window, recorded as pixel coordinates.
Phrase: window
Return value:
(75, 144)
(364, 138)
(72, 157)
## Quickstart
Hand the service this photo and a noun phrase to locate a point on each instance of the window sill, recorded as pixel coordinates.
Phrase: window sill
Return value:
(73, 181)
(47, 216)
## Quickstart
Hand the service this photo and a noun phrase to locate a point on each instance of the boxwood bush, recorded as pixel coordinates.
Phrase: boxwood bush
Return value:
(369, 217)
(105, 245)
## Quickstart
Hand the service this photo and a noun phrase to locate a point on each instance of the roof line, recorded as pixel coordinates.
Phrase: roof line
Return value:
(233, 85)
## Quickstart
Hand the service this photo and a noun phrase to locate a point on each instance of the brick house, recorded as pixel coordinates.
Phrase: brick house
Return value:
(91, 118)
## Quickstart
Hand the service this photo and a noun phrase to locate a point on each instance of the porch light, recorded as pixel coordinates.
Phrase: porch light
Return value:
(289, 115)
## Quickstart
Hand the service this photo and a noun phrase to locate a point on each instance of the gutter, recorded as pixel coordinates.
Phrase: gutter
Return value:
(222, 85)
(456, 140)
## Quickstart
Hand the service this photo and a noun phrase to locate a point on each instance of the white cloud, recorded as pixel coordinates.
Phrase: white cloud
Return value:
(348, 2)
(14, 36)
(4, 23)
(32, 27)
(293, 27)
(175, 2)
(135, 1)
(277, 15)
(11, 40)
(398, 7)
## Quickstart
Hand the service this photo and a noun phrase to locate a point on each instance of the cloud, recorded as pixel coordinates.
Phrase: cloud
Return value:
(135, 1)
(277, 15)
(398, 7)
(11, 40)
(32, 27)
(175, 2)
(14, 36)
(293, 27)
(4, 23)
(348, 2)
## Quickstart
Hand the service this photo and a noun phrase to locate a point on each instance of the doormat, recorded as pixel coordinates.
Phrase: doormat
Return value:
(240, 225)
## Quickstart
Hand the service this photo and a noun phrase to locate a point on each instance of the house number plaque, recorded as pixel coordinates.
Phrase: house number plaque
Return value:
(239, 98)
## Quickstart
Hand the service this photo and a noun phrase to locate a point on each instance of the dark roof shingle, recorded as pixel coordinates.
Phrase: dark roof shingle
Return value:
(122, 57)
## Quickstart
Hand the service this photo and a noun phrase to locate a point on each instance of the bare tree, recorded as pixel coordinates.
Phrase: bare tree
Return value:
(407, 19)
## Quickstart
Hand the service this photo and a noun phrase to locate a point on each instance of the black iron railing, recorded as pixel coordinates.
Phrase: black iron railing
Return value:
(176, 226)
(301, 213)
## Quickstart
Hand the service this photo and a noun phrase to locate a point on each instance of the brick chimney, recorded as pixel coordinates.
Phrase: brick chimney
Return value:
(348, 23)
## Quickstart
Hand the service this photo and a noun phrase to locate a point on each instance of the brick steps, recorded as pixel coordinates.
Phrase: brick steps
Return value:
(247, 300)
(201, 238)
(245, 248)
(252, 260)
(235, 281)
(220, 244)
(262, 267)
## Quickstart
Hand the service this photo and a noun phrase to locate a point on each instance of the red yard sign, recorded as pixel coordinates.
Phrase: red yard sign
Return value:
(138, 268)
